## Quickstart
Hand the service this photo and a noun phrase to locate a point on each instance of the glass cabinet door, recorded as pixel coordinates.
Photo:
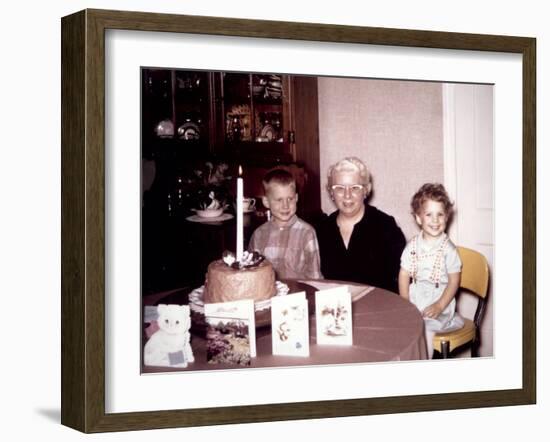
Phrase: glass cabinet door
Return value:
(156, 104)
(267, 91)
(191, 105)
(255, 110)
(237, 107)
(239, 115)
(176, 106)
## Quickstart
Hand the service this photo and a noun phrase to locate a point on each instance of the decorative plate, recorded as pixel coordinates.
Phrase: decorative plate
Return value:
(268, 132)
(201, 219)
(189, 131)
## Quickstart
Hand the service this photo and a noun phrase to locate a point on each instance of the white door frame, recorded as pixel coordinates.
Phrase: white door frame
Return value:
(449, 151)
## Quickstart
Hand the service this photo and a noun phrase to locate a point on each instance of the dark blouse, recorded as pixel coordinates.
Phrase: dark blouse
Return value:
(373, 254)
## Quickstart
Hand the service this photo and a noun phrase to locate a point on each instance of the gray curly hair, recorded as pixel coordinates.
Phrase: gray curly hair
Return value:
(350, 164)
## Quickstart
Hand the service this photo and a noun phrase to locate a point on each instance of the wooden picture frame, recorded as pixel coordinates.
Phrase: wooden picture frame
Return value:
(83, 220)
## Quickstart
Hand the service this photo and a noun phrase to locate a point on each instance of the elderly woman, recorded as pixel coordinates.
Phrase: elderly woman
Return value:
(358, 242)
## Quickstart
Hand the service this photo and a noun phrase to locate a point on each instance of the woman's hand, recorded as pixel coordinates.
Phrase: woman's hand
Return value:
(432, 311)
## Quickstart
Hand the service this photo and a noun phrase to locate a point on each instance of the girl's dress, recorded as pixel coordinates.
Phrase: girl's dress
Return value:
(429, 264)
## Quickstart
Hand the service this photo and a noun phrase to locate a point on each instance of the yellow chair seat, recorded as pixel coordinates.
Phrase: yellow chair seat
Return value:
(455, 338)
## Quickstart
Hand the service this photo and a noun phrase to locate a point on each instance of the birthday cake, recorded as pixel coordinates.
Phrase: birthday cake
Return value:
(235, 282)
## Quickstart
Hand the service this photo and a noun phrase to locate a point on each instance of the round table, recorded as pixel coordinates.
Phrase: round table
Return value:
(385, 328)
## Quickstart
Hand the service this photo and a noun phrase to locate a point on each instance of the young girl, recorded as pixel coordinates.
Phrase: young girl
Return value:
(430, 266)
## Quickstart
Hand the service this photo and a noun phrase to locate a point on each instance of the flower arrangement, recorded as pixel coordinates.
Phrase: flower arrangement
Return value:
(212, 175)
(213, 185)
(202, 186)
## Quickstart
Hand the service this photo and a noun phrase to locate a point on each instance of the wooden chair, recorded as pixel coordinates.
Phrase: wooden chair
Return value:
(475, 279)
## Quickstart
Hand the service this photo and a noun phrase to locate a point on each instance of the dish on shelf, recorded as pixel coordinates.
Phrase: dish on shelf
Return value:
(268, 132)
(189, 131)
(209, 213)
(165, 129)
(198, 219)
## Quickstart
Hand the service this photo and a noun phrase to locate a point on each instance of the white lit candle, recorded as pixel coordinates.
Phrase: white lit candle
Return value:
(240, 236)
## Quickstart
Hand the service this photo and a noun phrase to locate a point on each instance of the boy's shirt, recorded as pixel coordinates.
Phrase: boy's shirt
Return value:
(293, 250)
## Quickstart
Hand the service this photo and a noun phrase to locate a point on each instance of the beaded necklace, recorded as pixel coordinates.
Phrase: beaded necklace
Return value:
(435, 275)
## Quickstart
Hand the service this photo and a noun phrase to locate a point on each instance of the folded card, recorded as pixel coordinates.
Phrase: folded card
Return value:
(333, 316)
(290, 325)
(230, 332)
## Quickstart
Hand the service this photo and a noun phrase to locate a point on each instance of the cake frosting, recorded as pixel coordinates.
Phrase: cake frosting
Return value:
(227, 283)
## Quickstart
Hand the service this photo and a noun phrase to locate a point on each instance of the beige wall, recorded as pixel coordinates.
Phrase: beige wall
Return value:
(395, 127)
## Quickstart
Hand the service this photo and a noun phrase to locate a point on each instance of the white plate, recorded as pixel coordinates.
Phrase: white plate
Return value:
(196, 302)
(200, 219)
(189, 131)
(268, 132)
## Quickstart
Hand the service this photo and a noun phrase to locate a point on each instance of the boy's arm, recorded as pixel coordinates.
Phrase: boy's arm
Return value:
(434, 310)
(312, 258)
(252, 242)
(404, 281)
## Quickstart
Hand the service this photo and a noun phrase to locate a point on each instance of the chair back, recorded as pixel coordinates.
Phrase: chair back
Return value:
(475, 271)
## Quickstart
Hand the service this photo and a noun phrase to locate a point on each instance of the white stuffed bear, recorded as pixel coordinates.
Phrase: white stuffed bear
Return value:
(169, 346)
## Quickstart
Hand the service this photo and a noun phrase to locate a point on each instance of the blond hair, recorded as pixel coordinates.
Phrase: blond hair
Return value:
(278, 176)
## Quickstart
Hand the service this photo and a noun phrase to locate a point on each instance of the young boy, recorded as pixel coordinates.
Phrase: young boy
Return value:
(288, 242)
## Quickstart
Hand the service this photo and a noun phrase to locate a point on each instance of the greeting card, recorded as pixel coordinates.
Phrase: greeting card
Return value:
(333, 316)
(290, 325)
(230, 332)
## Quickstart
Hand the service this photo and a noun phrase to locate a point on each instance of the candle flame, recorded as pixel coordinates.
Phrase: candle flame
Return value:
(240, 170)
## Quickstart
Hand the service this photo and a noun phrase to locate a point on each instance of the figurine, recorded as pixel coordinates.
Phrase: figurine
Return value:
(170, 345)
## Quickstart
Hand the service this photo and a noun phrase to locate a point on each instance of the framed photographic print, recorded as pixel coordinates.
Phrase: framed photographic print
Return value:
(169, 125)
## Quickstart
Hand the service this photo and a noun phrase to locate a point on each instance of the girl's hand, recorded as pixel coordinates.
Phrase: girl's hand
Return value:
(432, 311)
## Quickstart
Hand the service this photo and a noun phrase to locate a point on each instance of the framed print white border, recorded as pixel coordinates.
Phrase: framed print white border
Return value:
(126, 52)
(87, 205)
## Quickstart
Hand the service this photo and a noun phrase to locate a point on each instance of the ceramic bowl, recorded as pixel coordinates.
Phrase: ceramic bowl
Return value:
(209, 213)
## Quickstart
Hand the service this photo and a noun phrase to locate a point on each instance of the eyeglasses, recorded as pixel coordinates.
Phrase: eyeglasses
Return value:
(354, 189)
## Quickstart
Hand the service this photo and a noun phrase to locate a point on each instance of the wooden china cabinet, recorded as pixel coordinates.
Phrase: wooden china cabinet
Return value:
(189, 118)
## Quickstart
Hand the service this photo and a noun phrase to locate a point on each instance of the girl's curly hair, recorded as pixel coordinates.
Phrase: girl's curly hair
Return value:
(434, 192)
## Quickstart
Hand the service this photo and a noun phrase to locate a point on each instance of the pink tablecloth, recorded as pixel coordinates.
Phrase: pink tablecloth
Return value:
(385, 328)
